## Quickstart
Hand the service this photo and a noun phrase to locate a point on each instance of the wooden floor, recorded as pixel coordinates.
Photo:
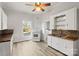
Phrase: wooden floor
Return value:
(31, 48)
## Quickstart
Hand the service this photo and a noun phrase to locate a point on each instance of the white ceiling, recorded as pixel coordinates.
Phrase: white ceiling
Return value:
(20, 6)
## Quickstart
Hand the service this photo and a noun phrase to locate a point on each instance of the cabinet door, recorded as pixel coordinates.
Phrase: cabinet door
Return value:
(0, 18)
(71, 16)
(49, 40)
(4, 18)
(5, 49)
(61, 45)
(58, 44)
(54, 42)
(52, 22)
(69, 47)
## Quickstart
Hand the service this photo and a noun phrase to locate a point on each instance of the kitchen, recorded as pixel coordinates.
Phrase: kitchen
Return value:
(58, 27)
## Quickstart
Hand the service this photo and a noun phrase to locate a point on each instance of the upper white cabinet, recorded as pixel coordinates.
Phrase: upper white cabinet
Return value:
(3, 20)
(52, 23)
(60, 22)
(67, 20)
(71, 19)
(0, 18)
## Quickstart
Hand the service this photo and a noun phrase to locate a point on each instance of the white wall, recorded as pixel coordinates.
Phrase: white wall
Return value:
(15, 19)
(59, 7)
(62, 6)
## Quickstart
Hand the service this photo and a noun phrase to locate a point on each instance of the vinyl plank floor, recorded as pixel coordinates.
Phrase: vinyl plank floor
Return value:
(32, 48)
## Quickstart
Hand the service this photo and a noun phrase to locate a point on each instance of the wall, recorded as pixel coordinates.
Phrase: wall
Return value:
(58, 8)
(15, 19)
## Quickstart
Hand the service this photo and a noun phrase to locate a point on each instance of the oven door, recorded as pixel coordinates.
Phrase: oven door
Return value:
(36, 36)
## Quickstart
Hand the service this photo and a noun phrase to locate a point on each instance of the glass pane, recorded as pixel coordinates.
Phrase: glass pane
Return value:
(27, 27)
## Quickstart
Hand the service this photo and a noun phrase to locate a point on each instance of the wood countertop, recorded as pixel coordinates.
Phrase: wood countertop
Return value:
(5, 35)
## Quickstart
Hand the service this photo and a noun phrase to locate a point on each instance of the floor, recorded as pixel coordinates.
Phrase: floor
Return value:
(31, 48)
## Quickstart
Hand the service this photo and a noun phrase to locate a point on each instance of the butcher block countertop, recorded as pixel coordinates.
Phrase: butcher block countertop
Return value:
(5, 35)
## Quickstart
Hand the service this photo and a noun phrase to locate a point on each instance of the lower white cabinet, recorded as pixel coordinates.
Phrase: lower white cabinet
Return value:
(5, 49)
(58, 44)
(69, 47)
(65, 46)
(49, 41)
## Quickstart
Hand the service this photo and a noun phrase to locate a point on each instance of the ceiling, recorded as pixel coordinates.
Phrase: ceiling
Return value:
(20, 6)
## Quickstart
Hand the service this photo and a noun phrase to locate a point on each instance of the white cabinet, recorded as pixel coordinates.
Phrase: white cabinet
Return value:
(58, 44)
(3, 20)
(69, 47)
(65, 46)
(5, 49)
(0, 18)
(67, 20)
(52, 21)
(49, 41)
(71, 19)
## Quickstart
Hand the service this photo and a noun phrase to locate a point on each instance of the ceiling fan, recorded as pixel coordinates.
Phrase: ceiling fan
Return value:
(39, 6)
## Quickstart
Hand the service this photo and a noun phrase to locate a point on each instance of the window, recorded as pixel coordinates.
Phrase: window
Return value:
(27, 29)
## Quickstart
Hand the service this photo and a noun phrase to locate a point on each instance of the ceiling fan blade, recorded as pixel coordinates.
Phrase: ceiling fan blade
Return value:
(42, 9)
(29, 4)
(46, 4)
(34, 9)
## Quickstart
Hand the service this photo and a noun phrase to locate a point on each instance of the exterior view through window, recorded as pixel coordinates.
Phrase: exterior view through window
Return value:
(27, 29)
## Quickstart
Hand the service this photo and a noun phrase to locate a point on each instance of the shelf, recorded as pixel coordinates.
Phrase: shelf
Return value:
(61, 20)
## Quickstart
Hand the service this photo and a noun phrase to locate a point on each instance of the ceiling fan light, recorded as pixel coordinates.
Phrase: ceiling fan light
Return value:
(38, 9)
(38, 3)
